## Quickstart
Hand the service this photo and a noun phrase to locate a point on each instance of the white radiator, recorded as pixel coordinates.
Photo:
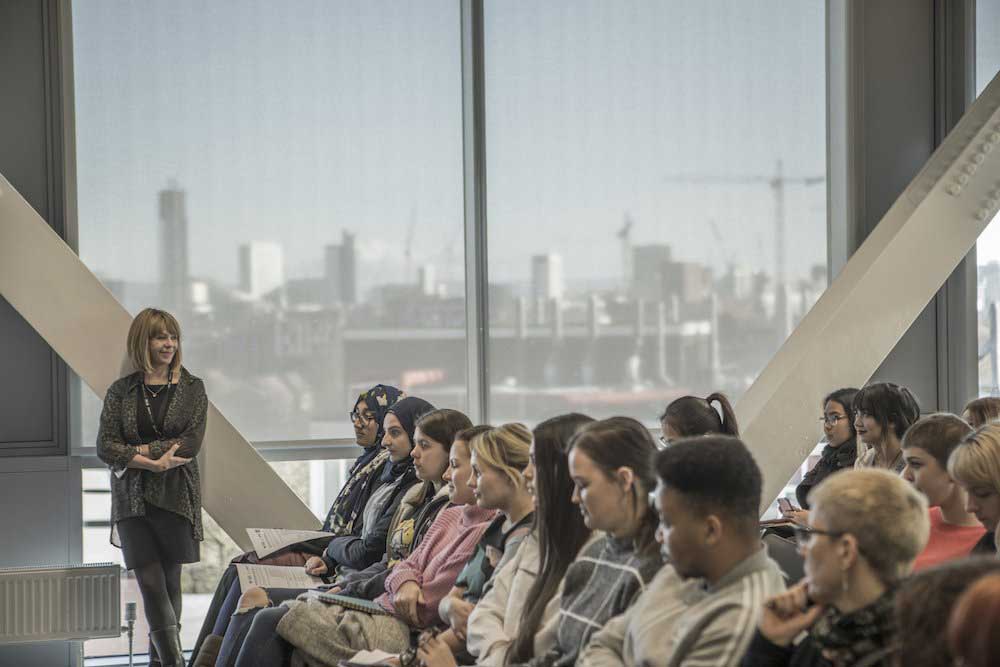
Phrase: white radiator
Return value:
(59, 603)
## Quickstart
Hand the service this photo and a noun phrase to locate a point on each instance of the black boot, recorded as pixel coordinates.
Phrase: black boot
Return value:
(168, 646)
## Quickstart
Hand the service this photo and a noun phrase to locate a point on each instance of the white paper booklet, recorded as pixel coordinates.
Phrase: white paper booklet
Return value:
(372, 657)
(268, 540)
(275, 576)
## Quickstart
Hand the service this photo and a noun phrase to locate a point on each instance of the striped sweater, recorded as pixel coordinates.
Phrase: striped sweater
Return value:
(601, 583)
(442, 554)
(680, 621)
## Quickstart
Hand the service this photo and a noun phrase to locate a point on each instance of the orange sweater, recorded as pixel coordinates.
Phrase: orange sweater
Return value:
(947, 542)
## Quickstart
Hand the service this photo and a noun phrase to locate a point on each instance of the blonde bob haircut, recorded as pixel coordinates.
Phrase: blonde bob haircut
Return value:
(147, 325)
(976, 461)
(504, 448)
(884, 513)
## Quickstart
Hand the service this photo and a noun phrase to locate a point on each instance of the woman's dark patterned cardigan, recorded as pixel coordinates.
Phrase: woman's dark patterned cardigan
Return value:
(177, 490)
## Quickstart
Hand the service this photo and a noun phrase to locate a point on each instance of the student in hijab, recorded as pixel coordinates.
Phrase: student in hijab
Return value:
(367, 415)
(356, 552)
(352, 552)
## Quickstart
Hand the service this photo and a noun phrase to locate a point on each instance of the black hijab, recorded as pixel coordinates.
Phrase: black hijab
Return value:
(408, 411)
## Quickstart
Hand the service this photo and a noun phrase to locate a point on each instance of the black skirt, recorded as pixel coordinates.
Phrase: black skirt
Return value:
(160, 536)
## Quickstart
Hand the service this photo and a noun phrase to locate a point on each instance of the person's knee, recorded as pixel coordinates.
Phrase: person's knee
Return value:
(253, 597)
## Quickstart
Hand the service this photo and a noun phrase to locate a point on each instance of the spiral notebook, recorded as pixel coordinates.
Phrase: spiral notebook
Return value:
(355, 604)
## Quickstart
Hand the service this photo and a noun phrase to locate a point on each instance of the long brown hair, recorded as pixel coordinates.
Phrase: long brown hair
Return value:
(559, 526)
(622, 442)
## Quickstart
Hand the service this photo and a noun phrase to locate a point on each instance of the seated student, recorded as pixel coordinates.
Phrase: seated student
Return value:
(981, 411)
(974, 627)
(975, 465)
(865, 528)
(702, 607)
(883, 413)
(841, 448)
(609, 464)
(689, 416)
(497, 633)
(325, 634)
(498, 462)
(355, 552)
(369, 410)
(432, 439)
(924, 604)
(926, 447)
(352, 551)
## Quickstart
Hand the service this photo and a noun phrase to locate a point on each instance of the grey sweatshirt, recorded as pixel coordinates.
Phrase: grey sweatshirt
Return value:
(686, 622)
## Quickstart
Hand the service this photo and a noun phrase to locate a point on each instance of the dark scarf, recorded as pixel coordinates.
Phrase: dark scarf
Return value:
(850, 639)
(831, 460)
(408, 411)
(351, 499)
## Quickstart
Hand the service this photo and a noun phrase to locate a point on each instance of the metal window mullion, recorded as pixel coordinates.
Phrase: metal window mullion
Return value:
(957, 315)
(474, 191)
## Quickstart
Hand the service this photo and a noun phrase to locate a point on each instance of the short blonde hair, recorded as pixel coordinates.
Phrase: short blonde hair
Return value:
(504, 448)
(147, 325)
(884, 513)
(976, 461)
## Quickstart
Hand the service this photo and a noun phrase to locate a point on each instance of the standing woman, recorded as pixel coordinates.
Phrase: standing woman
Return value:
(152, 426)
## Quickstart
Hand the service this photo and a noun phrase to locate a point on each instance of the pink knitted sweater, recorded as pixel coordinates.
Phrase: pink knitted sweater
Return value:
(435, 564)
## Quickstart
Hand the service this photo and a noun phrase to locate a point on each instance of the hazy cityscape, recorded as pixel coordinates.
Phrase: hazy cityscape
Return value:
(296, 351)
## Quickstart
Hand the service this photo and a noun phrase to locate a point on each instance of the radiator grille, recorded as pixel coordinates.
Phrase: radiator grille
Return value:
(59, 603)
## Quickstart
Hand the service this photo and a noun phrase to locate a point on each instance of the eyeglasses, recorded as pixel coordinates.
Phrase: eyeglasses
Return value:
(363, 417)
(664, 440)
(804, 534)
(832, 419)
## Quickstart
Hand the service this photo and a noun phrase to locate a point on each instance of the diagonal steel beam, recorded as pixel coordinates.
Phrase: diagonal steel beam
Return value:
(66, 304)
(879, 293)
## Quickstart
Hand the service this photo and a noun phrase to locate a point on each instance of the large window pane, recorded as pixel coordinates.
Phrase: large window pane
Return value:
(988, 248)
(286, 178)
(657, 209)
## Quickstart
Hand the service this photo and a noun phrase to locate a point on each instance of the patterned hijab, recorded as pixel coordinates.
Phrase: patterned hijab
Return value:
(352, 497)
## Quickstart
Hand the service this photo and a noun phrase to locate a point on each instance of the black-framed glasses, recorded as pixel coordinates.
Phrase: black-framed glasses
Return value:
(804, 534)
(832, 419)
(363, 417)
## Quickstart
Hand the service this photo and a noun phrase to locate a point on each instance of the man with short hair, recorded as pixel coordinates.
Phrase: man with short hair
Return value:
(703, 608)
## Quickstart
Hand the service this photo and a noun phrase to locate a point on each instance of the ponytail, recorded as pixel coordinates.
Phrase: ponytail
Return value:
(728, 424)
(691, 416)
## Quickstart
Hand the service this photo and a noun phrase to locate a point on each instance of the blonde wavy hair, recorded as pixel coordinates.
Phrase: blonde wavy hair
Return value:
(976, 461)
(885, 514)
(148, 324)
(505, 448)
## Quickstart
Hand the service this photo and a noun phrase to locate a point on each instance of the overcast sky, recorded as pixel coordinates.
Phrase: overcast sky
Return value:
(290, 122)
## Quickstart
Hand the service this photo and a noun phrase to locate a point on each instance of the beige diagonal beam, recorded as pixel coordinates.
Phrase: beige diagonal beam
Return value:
(45, 281)
(880, 292)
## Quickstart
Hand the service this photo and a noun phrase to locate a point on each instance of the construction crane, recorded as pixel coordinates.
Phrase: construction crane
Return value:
(777, 182)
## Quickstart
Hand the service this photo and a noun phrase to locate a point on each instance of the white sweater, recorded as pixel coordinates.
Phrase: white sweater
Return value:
(494, 622)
